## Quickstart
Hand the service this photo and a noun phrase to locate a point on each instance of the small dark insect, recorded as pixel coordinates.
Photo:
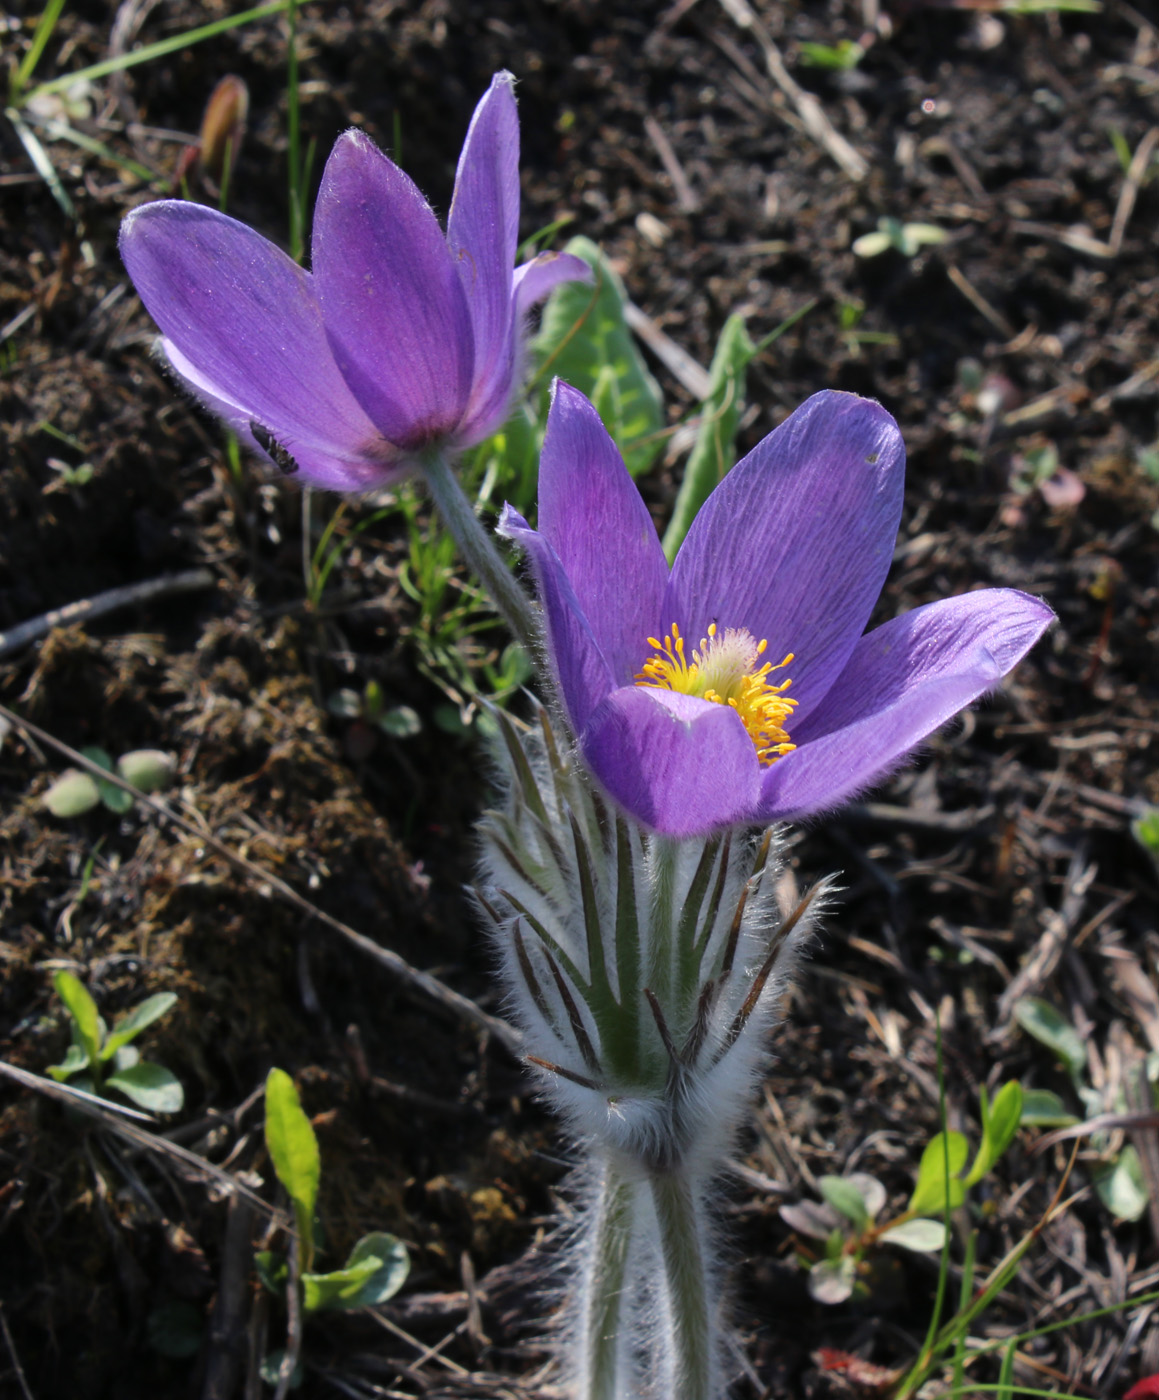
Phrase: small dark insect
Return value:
(268, 443)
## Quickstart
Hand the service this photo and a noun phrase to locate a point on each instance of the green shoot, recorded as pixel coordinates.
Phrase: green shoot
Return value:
(45, 26)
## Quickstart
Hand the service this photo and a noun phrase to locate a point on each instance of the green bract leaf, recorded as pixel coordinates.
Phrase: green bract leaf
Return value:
(584, 339)
(845, 1198)
(75, 1060)
(1122, 1187)
(293, 1149)
(1043, 1109)
(922, 1236)
(131, 1025)
(999, 1124)
(715, 448)
(1048, 1026)
(73, 794)
(929, 1197)
(83, 1010)
(150, 1086)
(832, 1280)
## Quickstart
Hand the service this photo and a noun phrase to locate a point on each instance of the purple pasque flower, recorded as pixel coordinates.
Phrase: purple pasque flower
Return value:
(400, 340)
(673, 680)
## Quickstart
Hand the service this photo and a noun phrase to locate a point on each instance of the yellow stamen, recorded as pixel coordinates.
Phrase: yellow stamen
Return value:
(724, 669)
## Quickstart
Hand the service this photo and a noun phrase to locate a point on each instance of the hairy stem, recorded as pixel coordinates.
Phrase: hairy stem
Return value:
(478, 549)
(688, 1345)
(601, 1339)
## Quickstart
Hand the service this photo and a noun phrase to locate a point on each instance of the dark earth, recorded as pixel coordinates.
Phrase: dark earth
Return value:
(1019, 356)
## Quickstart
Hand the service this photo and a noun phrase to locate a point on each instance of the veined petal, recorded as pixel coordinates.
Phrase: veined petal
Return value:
(536, 279)
(356, 467)
(796, 541)
(581, 671)
(482, 233)
(902, 681)
(395, 311)
(681, 765)
(592, 515)
(242, 324)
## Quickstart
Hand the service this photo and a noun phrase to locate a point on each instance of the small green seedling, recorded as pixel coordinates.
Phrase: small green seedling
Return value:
(906, 239)
(1119, 1182)
(1145, 830)
(99, 1060)
(74, 792)
(845, 1220)
(370, 707)
(68, 477)
(378, 1263)
(840, 57)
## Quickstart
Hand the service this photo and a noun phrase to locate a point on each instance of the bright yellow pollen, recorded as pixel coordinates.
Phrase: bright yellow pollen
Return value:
(722, 670)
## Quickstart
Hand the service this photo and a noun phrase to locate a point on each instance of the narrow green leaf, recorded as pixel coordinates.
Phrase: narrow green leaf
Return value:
(150, 1086)
(715, 449)
(1050, 1028)
(999, 1124)
(844, 1196)
(83, 1010)
(1041, 1108)
(130, 1026)
(584, 339)
(1005, 1389)
(929, 1197)
(293, 1149)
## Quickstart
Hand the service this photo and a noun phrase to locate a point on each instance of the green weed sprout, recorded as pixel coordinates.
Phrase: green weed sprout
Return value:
(378, 1263)
(1145, 828)
(74, 792)
(95, 1050)
(845, 1221)
(906, 239)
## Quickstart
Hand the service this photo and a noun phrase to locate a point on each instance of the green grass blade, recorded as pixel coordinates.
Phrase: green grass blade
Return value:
(44, 30)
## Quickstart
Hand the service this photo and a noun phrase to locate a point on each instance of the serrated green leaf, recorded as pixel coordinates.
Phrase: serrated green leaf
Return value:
(1122, 1187)
(714, 452)
(85, 1017)
(584, 339)
(1043, 1109)
(130, 1026)
(846, 1199)
(150, 1086)
(1050, 1028)
(293, 1149)
(72, 795)
(74, 1061)
(929, 1197)
(999, 1124)
(922, 1236)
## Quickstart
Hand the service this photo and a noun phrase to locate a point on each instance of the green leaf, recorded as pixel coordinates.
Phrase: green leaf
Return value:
(929, 1197)
(149, 770)
(1050, 1028)
(584, 339)
(400, 722)
(83, 1010)
(74, 1061)
(872, 245)
(715, 449)
(1121, 1186)
(999, 1124)
(130, 1026)
(293, 1149)
(114, 798)
(922, 1236)
(376, 1270)
(273, 1271)
(1043, 1109)
(73, 794)
(150, 1086)
(846, 1199)
(832, 1280)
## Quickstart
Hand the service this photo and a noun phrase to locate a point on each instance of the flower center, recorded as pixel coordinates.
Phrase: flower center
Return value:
(725, 670)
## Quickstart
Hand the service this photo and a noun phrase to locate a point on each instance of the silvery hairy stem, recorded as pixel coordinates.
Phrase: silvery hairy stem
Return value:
(645, 973)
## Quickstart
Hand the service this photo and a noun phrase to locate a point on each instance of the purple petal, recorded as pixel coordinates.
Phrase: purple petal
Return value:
(395, 312)
(903, 680)
(796, 542)
(535, 279)
(592, 515)
(681, 765)
(482, 233)
(580, 670)
(241, 323)
(332, 468)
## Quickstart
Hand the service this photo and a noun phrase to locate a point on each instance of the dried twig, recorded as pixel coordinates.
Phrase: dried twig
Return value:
(189, 581)
(265, 881)
(16, 1366)
(691, 374)
(685, 194)
(227, 1328)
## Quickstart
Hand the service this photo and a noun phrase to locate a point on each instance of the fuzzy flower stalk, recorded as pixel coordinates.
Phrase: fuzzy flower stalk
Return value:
(399, 348)
(631, 872)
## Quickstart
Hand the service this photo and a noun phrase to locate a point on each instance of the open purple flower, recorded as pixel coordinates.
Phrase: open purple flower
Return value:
(401, 340)
(673, 681)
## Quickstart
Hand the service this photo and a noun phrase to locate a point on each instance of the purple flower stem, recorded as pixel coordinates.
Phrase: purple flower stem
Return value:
(478, 550)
